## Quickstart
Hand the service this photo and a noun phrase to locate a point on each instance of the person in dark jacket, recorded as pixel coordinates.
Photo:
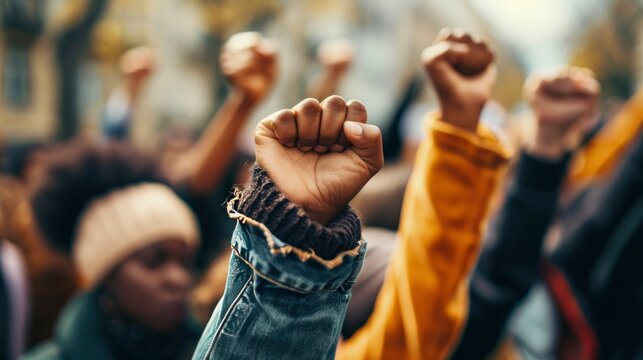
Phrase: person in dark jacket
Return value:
(587, 284)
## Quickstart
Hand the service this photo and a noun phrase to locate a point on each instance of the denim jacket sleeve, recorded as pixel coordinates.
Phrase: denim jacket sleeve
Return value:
(280, 301)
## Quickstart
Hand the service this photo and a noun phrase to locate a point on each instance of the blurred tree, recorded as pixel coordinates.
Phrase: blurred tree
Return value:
(22, 23)
(23, 16)
(71, 45)
(609, 48)
(225, 17)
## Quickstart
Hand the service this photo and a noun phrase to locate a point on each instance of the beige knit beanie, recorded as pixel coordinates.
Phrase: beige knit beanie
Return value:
(125, 221)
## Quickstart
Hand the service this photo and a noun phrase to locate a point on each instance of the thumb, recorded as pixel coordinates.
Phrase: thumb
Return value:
(439, 62)
(451, 52)
(267, 48)
(366, 142)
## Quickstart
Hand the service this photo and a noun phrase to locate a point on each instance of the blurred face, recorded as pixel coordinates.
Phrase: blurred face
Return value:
(152, 286)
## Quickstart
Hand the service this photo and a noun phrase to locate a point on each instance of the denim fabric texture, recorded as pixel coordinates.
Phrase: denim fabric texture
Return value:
(275, 305)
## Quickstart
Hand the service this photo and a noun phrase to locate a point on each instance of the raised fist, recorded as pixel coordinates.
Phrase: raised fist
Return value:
(320, 155)
(335, 56)
(565, 104)
(461, 68)
(137, 64)
(248, 61)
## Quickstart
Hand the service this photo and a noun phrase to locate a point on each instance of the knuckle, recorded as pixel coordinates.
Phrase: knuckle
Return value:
(334, 103)
(356, 107)
(283, 117)
(309, 107)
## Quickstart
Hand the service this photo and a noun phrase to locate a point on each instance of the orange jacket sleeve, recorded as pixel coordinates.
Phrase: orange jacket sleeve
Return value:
(421, 308)
(602, 155)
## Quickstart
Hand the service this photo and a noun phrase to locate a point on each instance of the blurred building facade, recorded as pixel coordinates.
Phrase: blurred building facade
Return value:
(187, 86)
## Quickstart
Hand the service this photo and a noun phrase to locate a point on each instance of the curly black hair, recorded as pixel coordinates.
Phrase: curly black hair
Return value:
(78, 172)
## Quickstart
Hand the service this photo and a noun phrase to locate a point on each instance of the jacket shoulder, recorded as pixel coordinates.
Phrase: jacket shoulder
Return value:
(45, 351)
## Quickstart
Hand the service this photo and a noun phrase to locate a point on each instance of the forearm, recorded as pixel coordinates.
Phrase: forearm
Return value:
(422, 305)
(509, 262)
(323, 86)
(462, 115)
(205, 164)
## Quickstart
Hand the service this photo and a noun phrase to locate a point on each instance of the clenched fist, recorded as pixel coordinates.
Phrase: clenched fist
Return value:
(320, 155)
(565, 105)
(137, 64)
(248, 61)
(461, 68)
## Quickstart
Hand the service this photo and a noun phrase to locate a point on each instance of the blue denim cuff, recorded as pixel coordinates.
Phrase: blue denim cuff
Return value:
(292, 268)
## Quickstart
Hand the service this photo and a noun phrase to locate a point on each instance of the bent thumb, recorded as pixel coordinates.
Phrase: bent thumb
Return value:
(366, 141)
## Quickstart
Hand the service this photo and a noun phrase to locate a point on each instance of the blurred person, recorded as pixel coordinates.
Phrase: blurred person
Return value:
(297, 248)
(249, 63)
(51, 277)
(594, 274)
(131, 239)
(565, 107)
(583, 304)
(14, 287)
(335, 58)
(14, 298)
(421, 307)
(203, 172)
(136, 66)
(201, 169)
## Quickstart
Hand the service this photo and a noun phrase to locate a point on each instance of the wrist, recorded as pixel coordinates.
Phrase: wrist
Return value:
(546, 143)
(464, 116)
(322, 218)
(244, 97)
(541, 174)
(133, 89)
(262, 201)
(332, 76)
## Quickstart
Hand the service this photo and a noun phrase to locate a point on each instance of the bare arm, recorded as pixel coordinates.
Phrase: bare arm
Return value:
(204, 165)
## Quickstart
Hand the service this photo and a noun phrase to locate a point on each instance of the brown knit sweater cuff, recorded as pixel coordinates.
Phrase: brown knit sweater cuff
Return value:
(263, 202)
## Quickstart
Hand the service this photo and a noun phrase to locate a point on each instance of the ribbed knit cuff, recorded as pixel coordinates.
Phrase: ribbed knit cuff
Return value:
(263, 202)
(541, 174)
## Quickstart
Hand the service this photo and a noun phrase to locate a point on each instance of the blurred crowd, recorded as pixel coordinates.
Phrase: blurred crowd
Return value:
(453, 220)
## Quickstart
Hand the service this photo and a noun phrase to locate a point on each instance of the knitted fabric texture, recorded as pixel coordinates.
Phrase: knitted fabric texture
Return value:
(125, 221)
(263, 202)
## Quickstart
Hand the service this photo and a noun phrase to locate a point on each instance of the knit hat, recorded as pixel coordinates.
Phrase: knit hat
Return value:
(125, 221)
